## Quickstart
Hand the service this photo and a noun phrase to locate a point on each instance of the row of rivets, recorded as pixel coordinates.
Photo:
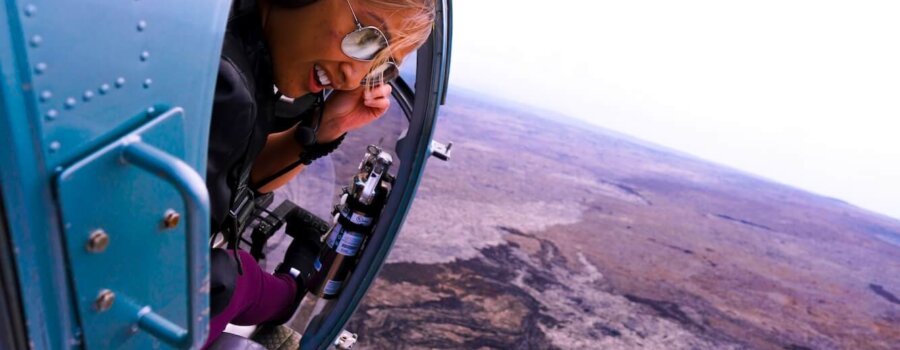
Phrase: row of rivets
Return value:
(71, 101)
(145, 55)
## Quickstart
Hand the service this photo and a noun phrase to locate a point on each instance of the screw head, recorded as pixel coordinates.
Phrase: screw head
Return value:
(46, 95)
(104, 300)
(147, 83)
(36, 40)
(98, 241)
(40, 67)
(88, 95)
(141, 25)
(104, 88)
(120, 81)
(70, 102)
(145, 55)
(171, 219)
(55, 146)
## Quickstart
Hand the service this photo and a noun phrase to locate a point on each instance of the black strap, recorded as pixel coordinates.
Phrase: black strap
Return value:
(305, 159)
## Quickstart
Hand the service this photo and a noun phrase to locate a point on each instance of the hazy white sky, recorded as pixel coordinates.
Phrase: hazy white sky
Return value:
(802, 92)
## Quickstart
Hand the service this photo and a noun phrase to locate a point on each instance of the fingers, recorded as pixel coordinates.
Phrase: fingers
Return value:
(379, 91)
(379, 103)
(378, 97)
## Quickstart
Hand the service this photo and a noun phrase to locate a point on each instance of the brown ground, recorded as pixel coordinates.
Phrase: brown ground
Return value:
(543, 233)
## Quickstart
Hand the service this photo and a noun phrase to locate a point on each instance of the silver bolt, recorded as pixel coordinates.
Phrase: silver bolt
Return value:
(104, 300)
(36, 40)
(40, 67)
(88, 95)
(120, 81)
(55, 146)
(97, 241)
(46, 95)
(70, 102)
(151, 110)
(30, 10)
(142, 24)
(171, 219)
(52, 114)
(145, 55)
(147, 83)
(104, 88)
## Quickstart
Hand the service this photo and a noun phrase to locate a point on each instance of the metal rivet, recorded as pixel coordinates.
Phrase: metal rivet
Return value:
(46, 95)
(40, 67)
(36, 40)
(120, 81)
(171, 219)
(52, 114)
(97, 241)
(104, 300)
(104, 88)
(88, 95)
(145, 55)
(30, 10)
(55, 146)
(142, 24)
(147, 82)
(70, 102)
(151, 110)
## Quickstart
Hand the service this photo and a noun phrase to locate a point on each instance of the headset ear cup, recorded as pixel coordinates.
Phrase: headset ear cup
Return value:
(293, 3)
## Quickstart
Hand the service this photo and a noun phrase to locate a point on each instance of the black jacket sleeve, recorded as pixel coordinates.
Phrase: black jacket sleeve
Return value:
(231, 128)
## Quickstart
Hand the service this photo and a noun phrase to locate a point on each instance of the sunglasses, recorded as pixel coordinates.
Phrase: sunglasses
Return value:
(363, 44)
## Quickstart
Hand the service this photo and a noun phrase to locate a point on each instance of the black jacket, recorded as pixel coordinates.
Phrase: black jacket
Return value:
(243, 107)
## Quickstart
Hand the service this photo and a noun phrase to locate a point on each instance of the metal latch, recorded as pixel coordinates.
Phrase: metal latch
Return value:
(345, 341)
(440, 150)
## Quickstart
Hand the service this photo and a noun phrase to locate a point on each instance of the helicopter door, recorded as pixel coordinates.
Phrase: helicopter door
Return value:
(418, 92)
(104, 119)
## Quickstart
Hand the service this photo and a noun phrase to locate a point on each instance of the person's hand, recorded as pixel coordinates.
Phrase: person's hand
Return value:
(350, 110)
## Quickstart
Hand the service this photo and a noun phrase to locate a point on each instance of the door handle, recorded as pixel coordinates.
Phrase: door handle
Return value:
(196, 199)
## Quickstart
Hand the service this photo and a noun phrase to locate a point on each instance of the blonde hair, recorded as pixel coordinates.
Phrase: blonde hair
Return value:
(413, 31)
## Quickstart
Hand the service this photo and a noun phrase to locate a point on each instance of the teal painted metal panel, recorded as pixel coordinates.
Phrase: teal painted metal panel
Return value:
(96, 65)
(60, 62)
(29, 207)
(144, 264)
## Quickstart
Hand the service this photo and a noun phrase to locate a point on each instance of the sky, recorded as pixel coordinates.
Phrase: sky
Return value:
(806, 93)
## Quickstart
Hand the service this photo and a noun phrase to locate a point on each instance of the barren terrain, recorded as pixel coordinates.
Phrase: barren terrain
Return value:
(542, 233)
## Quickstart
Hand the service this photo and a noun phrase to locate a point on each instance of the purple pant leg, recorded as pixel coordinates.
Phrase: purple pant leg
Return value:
(258, 297)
